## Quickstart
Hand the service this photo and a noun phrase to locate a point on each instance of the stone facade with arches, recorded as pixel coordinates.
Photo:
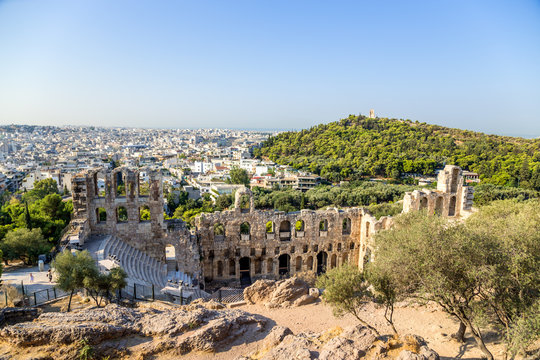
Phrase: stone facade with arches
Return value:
(132, 210)
(280, 244)
(451, 198)
(243, 244)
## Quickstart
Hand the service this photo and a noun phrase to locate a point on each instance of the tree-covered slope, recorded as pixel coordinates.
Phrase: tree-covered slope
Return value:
(359, 146)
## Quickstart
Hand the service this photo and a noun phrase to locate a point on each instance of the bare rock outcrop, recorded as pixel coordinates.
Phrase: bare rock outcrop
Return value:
(95, 325)
(283, 293)
(259, 292)
(177, 330)
(208, 304)
(353, 343)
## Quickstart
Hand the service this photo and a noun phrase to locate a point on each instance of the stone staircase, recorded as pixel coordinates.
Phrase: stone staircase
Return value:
(140, 268)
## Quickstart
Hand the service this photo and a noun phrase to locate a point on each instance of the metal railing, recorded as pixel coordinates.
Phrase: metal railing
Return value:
(35, 298)
(228, 295)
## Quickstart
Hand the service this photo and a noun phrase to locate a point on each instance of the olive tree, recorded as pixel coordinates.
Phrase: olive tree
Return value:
(428, 258)
(102, 285)
(347, 291)
(80, 271)
(486, 268)
(510, 233)
(72, 270)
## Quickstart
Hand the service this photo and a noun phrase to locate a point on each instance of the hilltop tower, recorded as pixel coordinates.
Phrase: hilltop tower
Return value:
(372, 114)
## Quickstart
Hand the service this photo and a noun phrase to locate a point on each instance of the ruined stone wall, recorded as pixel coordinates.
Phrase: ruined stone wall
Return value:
(452, 198)
(344, 236)
(150, 236)
(235, 243)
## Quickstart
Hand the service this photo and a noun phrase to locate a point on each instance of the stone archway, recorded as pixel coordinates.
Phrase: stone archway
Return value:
(322, 259)
(284, 264)
(245, 275)
(452, 206)
(439, 206)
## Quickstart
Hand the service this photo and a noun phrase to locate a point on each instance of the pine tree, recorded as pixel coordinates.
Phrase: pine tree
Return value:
(535, 178)
(27, 217)
(525, 172)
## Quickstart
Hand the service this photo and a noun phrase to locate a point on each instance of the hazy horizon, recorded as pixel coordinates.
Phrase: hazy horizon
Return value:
(279, 65)
(238, 128)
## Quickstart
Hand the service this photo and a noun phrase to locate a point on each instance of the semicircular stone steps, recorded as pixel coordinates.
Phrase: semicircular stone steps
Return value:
(140, 268)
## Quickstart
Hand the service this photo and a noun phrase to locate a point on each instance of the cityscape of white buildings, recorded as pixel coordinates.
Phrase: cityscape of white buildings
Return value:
(199, 159)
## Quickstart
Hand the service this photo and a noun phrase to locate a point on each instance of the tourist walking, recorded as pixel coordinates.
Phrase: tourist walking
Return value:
(31, 278)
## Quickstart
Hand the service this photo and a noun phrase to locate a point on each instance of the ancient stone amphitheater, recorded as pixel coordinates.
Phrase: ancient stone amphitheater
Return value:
(118, 216)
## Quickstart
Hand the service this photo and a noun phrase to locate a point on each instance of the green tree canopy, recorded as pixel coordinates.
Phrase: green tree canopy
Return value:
(358, 147)
(25, 244)
(79, 271)
(346, 290)
(41, 189)
(238, 176)
(484, 269)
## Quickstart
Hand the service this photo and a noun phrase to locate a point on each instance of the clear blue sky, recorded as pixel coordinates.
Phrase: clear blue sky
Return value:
(270, 64)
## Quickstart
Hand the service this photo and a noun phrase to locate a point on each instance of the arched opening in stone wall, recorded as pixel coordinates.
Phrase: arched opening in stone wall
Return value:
(144, 183)
(101, 215)
(270, 266)
(309, 263)
(170, 253)
(258, 266)
(298, 264)
(439, 205)
(170, 260)
(120, 184)
(121, 214)
(322, 258)
(99, 183)
(285, 230)
(219, 232)
(423, 202)
(245, 203)
(368, 229)
(351, 246)
(232, 267)
(245, 230)
(323, 225)
(245, 275)
(346, 227)
(220, 268)
(284, 264)
(339, 247)
(144, 213)
(367, 256)
(344, 258)
(270, 229)
(333, 261)
(452, 206)
(454, 181)
(299, 228)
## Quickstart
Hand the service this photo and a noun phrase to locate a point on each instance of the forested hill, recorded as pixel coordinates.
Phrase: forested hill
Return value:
(358, 146)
